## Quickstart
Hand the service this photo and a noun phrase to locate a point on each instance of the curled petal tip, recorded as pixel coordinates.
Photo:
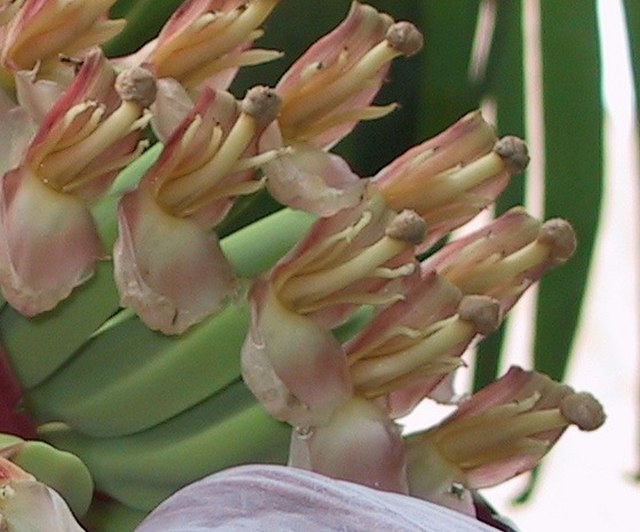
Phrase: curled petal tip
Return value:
(513, 151)
(405, 37)
(262, 103)
(559, 235)
(583, 410)
(483, 312)
(137, 84)
(408, 226)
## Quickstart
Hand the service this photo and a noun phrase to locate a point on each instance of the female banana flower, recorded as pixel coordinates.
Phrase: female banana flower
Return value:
(496, 434)
(44, 29)
(324, 95)
(168, 264)
(26, 504)
(291, 361)
(205, 42)
(409, 347)
(48, 240)
(504, 258)
(452, 177)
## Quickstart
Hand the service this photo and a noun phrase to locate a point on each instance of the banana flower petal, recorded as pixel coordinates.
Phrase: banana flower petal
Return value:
(205, 42)
(308, 178)
(48, 243)
(26, 504)
(272, 497)
(44, 29)
(168, 269)
(294, 367)
(360, 444)
(16, 129)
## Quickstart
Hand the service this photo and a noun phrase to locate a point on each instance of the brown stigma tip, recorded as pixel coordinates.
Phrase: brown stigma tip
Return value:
(262, 103)
(407, 226)
(137, 84)
(560, 237)
(583, 410)
(483, 312)
(405, 38)
(514, 152)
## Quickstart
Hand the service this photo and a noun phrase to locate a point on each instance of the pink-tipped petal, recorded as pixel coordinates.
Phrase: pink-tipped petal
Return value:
(169, 270)
(310, 179)
(170, 109)
(48, 243)
(318, 71)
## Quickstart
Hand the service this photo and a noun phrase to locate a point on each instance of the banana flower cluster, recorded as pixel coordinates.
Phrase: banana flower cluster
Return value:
(80, 121)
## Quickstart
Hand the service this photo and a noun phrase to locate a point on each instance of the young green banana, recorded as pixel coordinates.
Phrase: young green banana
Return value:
(60, 470)
(142, 469)
(131, 365)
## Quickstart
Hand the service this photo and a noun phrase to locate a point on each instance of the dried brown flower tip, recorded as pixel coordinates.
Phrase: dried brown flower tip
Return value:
(514, 152)
(483, 312)
(262, 103)
(583, 410)
(405, 37)
(559, 235)
(407, 226)
(137, 84)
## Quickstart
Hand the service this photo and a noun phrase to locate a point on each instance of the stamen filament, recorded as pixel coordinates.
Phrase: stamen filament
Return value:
(465, 445)
(372, 373)
(310, 287)
(179, 194)
(488, 276)
(429, 193)
(64, 165)
(298, 112)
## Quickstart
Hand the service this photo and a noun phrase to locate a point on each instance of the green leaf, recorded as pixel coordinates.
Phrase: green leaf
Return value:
(144, 20)
(504, 84)
(573, 168)
(447, 92)
(632, 9)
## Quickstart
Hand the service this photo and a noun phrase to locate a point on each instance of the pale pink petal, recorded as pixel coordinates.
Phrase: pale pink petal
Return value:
(308, 178)
(169, 270)
(44, 29)
(48, 243)
(28, 505)
(16, 129)
(266, 497)
(37, 96)
(360, 444)
(293, 366)
(171, 107)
